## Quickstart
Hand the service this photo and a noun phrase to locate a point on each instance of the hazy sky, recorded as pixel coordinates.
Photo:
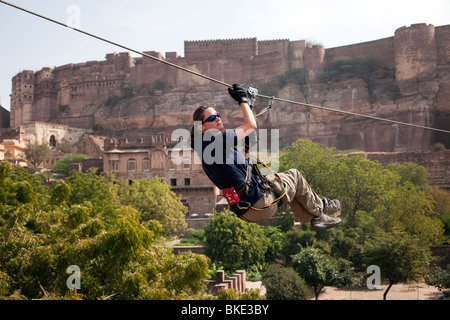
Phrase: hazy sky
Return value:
(30, 43)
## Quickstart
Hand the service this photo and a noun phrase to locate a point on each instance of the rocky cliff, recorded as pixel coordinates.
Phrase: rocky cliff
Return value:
(423, 100)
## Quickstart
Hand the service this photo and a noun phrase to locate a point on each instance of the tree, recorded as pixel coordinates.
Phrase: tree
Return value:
(313, 160)
(185, 273)
(411, 172)
(284, 283)
(442, 208)
(319, 270)
(412, 211)
(360, 184)
(440, 279)
(296, 239)
(284, 221)
(155, 200)
(60, 193)
(400, 256)
(81, 223)
(235, 243)
(62, 166)
(37, 153)
(92, 187)
(276, 242)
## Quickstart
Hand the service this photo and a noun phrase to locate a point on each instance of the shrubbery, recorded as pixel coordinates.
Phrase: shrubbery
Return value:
(283, 283)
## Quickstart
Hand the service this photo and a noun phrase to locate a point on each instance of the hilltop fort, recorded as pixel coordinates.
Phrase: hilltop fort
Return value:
(409, 80)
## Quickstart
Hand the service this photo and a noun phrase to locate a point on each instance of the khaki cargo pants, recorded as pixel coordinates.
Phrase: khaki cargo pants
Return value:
(301, 198)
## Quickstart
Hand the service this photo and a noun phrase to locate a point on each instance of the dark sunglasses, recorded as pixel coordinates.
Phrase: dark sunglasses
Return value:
(212, 118)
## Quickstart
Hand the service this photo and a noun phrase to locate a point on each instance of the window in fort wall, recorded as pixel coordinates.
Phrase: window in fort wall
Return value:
(158, 161)
(171, 164)
(114, 165)
(146, 164)
(186, 163)
(131, 165)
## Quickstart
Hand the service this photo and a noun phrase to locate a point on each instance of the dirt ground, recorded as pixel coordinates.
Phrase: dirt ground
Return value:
(413, 291)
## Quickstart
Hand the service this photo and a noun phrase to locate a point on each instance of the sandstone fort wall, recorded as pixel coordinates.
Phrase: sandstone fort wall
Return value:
(383, 50)
(71, 93)
(443, 44)
(219, 49)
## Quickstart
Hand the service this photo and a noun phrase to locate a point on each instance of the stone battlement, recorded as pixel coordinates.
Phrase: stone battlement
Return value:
(220, 40)
(149, 142)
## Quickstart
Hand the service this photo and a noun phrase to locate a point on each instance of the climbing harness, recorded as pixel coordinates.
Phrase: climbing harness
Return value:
(235, 196)
(243, 205)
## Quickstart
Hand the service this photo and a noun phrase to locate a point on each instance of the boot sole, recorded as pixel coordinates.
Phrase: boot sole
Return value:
(324, 226)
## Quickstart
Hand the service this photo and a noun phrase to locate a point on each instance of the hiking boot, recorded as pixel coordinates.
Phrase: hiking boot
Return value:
(324, 222)
(331, 206)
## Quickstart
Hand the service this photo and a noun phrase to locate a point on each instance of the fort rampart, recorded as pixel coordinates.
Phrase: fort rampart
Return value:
(71, 94)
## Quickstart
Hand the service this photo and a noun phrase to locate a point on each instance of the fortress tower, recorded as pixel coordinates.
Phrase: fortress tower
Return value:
(45, 95)
(33, 97)
(415, 51)
(22, 98)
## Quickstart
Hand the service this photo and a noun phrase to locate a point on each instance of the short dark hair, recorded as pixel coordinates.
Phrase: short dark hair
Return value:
(198, 115)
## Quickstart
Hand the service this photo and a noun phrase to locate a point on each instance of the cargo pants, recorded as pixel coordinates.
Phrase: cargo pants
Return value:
(300, 197)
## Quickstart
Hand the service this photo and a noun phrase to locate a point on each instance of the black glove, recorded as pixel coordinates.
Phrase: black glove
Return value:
(238, 93)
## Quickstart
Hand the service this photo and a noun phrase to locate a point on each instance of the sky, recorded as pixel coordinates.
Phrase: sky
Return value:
(30, 43)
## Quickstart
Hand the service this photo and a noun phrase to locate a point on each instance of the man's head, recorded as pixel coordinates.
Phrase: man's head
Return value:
(209, 118)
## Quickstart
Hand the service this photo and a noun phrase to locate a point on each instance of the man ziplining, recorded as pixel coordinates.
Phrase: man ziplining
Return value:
(252, 196)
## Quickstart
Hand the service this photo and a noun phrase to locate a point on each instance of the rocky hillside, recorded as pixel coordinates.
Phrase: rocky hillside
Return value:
(353, 85)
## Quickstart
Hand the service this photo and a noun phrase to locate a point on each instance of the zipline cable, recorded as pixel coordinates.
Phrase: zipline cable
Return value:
(218, 81)
(355, 114)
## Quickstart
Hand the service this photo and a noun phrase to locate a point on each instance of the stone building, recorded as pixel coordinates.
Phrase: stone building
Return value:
(173, 162)
(13, 150)
(51, 134)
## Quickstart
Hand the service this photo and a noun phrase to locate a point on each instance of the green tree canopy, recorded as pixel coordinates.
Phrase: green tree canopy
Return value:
(314, 161)
(400, 256)
(235, 243)
(360, 184)
(155, 200)
(37, 153)
(62, 166)
(82, 223)
(283, 283)
(411, 172)
(412, 211)
(320, 270)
